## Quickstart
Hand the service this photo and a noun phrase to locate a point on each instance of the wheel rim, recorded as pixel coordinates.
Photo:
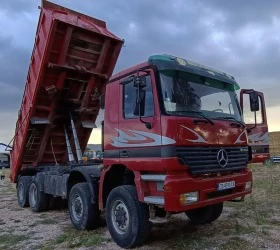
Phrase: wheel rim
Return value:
(120, 217)
(33, 195)
(77, 207)
(20, 191)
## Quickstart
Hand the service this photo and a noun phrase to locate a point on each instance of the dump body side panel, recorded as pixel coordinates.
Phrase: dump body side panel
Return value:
(73, 57)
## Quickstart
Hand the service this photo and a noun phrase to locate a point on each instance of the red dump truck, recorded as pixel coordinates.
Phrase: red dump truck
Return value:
(173, 136)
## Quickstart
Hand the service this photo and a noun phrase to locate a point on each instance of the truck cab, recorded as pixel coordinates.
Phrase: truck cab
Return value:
(177, 126)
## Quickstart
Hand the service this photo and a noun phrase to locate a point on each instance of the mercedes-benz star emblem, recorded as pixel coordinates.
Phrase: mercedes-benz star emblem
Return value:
(222, 158)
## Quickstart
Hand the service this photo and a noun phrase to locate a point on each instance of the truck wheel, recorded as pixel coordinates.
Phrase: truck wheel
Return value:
(23, 190)
(204, 215)
(83, 214)
(38, 200)
(127, 218)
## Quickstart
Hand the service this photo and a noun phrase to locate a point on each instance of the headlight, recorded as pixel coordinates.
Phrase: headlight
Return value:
(248, 185)
(190, 197)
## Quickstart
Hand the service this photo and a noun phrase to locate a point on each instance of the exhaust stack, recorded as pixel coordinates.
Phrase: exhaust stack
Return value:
(76, 140)
(69, 149)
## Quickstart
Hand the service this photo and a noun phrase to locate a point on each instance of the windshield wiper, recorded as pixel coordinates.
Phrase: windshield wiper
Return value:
(204, 116)
(232, 118)
(201, 114)
(196, 112)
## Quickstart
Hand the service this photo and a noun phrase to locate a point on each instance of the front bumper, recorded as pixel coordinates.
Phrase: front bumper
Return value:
(175, 185)
(260, 158)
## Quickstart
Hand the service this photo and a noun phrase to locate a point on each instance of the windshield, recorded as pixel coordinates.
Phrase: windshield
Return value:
(185, 94)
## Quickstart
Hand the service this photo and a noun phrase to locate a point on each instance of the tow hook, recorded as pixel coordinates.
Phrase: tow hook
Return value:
(155, 219)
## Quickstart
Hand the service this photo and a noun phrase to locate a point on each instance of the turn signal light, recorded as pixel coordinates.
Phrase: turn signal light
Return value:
(188, 198)
(248, 185)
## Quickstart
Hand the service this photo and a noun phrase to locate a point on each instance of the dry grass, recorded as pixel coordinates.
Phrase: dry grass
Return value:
(71, 239)
(252, 224)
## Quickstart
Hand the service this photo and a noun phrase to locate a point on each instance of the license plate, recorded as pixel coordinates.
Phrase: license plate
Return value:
(226, 185)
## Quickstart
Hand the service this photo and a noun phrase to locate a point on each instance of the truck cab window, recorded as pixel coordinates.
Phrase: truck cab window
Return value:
(130, 95)
(184, 94)
(218, 101)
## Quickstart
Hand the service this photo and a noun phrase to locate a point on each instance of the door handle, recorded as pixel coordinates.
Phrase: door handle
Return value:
(124, 153)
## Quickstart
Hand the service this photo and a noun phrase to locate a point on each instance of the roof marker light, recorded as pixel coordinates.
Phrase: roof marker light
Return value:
(181, 61)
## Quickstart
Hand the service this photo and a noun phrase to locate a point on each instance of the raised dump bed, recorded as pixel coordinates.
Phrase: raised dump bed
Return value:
(73, 57)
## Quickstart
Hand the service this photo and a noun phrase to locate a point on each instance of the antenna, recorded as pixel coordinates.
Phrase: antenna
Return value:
(69, 149)
(76, 140)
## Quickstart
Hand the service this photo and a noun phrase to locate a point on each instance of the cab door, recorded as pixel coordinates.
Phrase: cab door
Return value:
(139, 139)
(256, 125)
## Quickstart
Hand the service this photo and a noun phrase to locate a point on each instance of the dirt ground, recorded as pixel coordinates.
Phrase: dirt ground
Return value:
(253, 224)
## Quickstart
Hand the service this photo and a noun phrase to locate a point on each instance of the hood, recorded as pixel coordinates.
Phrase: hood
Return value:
(203, 134)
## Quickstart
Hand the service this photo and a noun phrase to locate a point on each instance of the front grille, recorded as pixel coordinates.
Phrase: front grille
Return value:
(202, 160)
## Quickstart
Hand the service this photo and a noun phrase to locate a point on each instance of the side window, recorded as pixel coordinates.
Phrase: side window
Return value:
(249, 116)
(130, 94)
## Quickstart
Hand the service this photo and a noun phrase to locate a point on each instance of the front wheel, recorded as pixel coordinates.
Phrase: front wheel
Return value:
(204, 215)
(127, 218)
(83, 213)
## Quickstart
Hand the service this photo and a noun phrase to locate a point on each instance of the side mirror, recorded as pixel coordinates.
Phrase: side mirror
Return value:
(140, 81)
(139, 108)
(254, 101)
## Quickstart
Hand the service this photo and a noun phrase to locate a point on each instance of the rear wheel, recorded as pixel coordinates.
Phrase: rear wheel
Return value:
(127, 218)
(23, 190)
(83, 213)
(38, 200)
(204, 215)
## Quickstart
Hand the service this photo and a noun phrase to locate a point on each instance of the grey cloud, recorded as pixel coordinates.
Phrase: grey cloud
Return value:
(234, 36)
(17, 6)
(239, 12)
(13, 70)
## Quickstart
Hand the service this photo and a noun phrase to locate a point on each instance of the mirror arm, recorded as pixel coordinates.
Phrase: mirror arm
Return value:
(250, 129)
(142, 70)
(148, 124)
(255, 120)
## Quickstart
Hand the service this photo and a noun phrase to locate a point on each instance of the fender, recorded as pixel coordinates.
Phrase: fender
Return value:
(137, 180)
(91, 173)
(40, 178)
(101, 183)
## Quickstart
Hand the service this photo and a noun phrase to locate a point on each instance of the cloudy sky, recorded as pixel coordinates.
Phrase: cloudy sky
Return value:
(239, 37)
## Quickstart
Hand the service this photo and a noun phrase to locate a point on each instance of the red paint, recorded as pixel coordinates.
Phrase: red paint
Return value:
(184, 183)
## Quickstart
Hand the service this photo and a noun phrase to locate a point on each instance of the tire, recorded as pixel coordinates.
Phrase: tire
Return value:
(133, 215)
(23, 190)
(83, 214)
(204, 215)
(38, 200)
